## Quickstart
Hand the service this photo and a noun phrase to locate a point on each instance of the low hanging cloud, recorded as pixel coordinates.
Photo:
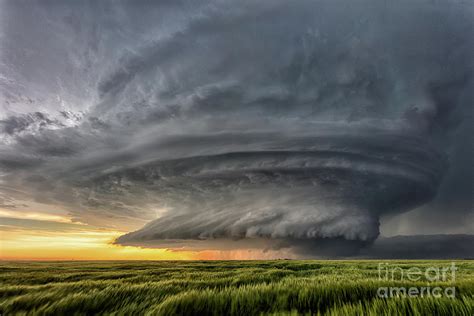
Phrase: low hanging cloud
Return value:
(228, 125)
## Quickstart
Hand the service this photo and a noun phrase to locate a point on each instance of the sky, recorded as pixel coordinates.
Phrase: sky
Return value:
(236, 130)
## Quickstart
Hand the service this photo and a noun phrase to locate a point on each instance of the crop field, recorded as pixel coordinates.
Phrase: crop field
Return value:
(279, 287)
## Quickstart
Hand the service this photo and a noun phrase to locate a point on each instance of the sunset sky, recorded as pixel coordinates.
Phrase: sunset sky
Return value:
(225, 130)
(43, 236)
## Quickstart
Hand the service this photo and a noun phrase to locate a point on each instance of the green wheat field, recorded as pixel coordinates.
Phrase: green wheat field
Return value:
(279, 287)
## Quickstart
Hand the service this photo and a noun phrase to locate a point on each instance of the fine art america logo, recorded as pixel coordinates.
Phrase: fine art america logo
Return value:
(430, 276)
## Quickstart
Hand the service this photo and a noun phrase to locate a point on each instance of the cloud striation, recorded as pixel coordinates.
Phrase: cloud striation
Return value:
(223, 123)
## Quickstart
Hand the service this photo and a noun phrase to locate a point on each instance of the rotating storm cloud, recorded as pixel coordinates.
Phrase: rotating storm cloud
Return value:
(225, 124)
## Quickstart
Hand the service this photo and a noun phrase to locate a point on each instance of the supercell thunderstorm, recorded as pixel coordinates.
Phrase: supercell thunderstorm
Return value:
(293, 123)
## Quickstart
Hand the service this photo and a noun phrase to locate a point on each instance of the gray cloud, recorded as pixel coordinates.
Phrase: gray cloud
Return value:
(299, 123)
(421, 247)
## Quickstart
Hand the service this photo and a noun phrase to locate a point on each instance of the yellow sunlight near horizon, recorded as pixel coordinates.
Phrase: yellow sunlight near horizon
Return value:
(84, 245)
(40, 235)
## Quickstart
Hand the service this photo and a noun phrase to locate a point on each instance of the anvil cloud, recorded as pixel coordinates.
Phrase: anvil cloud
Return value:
(219, 123)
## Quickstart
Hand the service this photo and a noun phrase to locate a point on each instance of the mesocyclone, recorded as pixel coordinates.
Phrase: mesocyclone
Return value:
(223, 122)
(275, 186)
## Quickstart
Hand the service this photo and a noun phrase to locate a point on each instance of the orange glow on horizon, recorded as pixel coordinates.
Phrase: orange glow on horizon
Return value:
(55, 237)
(98, 245)
(82, 245)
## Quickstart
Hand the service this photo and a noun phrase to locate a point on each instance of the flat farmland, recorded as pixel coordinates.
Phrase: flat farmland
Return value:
(279, 287)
